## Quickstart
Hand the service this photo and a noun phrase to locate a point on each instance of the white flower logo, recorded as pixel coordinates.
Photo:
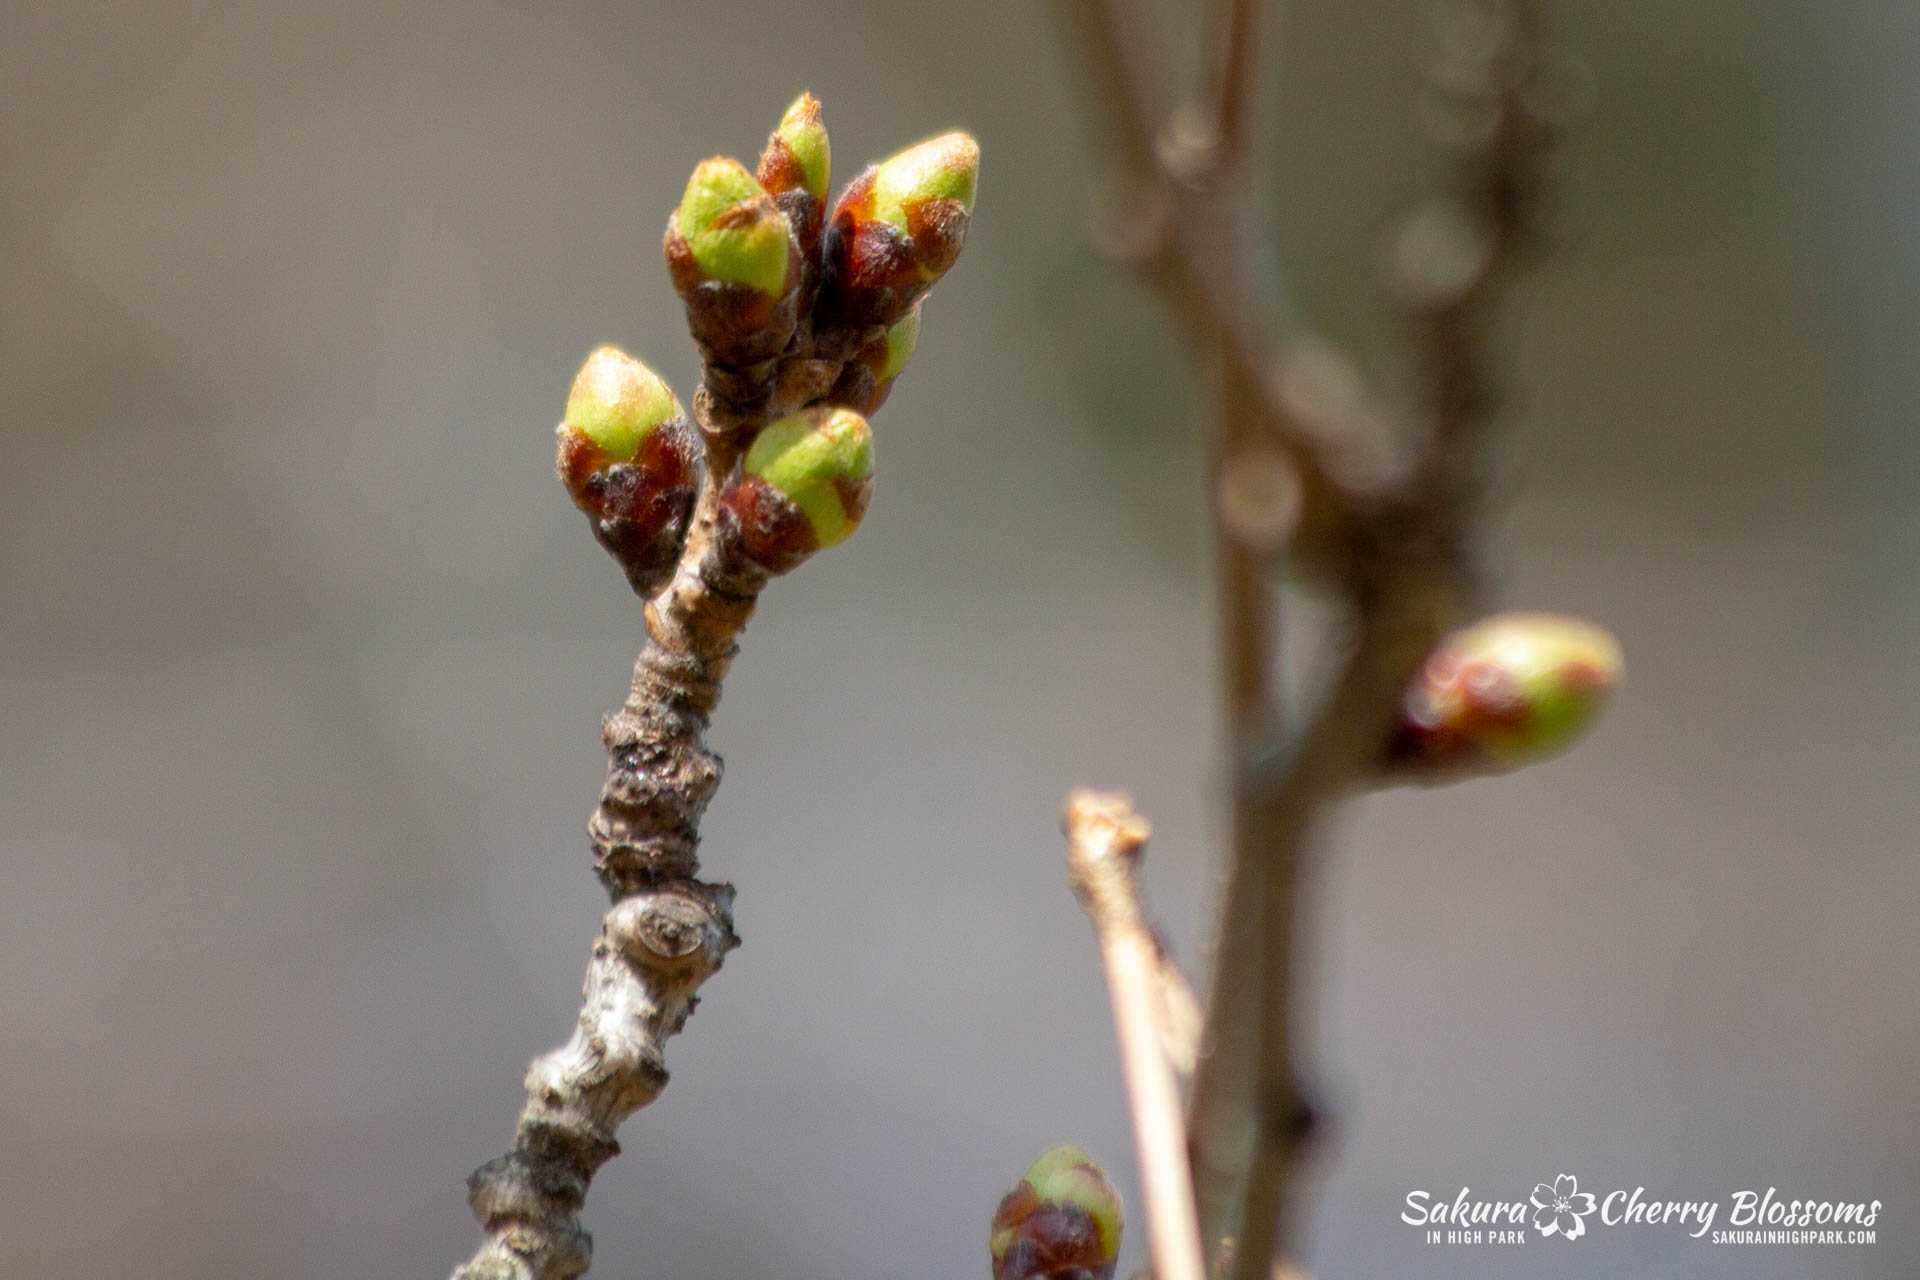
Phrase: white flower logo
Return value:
(1559, 1208)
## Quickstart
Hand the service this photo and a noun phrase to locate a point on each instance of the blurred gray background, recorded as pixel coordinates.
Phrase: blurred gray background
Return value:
(302, 650)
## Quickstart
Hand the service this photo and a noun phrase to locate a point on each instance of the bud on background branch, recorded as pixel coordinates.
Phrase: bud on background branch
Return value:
(1511, 690)
(1061, 1221)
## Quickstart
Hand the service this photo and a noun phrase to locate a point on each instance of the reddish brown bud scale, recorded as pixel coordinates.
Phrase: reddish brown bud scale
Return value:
(872, 270)
(638, 510)
(854, 495)
(803, 485)
(876, 273)
(1053, 1242)
(868, 378)
(779, 170)
(780, 173)
(765, 525)
(808, 218)
(938, 228)
(771, 529)
(856, 388)
(580, 458)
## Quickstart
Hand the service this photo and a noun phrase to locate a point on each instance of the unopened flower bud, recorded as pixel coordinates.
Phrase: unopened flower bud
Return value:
(796, 167)
(803, 485)
(1511, 690)
(629, 458)
(731, 254)
(1061, 1220)
(615, 402)
(889, 356)
(868, 378)
(898, 229)
(731, 234)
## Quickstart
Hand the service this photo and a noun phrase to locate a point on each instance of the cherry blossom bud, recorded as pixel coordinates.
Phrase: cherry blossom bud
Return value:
(796, 167)
(868, 378)
(733, 261)
(803, 485)
(1061, 1220)
(1511, 690)
(898, 229)
(629, 458)
(730, 233)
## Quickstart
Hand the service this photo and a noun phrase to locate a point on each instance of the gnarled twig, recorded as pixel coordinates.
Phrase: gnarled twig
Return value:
(666, 934)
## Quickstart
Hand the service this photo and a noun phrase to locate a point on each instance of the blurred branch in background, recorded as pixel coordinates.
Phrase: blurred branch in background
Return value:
(1305, 468)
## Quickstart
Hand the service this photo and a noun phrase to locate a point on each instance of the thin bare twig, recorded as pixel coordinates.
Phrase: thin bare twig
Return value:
(1105, 838)
(1199, 269)
(1234, 80)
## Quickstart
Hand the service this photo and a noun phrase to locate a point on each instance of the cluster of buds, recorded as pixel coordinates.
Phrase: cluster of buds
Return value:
(1061, 1221)
(1511, 690)
(804, 320)
(792, 306)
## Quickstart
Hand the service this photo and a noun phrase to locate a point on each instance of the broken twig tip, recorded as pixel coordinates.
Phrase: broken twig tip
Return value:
(1103, 823)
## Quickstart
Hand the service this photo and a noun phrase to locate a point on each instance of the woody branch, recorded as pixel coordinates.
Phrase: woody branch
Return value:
(804, 318)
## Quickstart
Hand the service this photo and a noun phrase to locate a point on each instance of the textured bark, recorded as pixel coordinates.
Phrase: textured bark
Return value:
(666, 934)
(653, 952)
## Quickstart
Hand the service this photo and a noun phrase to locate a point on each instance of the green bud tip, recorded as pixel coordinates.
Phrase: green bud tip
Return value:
(806, 141)
(616, 401)
(901, 339)
(1063, 1175)
(819, 461)
(734, 230)
(946, 167)
(1521, 686)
